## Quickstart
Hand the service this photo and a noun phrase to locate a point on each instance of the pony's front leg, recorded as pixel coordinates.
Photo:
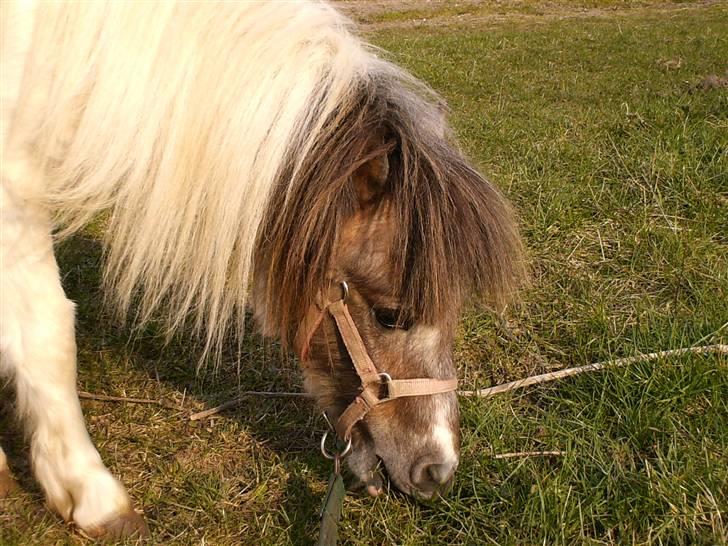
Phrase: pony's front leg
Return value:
(39, 353)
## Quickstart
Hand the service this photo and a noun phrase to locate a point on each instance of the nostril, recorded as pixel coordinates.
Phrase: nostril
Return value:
(441, 473)
(430, 477)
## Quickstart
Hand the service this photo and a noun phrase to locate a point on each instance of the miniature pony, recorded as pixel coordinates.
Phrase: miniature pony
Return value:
(241, 153)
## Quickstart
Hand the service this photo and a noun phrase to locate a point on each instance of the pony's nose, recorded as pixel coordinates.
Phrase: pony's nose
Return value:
(430, 477)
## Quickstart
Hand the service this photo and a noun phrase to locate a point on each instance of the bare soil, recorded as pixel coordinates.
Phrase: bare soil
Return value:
(375, 15)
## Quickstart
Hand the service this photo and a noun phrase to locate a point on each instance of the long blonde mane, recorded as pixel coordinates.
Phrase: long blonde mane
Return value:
(191, 122)
(177, 117)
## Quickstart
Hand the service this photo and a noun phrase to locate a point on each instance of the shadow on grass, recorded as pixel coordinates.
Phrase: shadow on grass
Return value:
(301, 505)
(110, 354)
(14, 445)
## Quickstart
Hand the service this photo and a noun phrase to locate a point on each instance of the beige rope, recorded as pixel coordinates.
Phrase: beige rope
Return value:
(543, 378)
(478, 393)
(520, 454)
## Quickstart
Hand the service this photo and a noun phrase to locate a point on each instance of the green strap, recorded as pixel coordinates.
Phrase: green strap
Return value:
(331, 511)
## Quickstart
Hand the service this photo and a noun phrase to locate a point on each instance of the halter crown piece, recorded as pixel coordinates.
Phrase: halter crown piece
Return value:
(371, 379)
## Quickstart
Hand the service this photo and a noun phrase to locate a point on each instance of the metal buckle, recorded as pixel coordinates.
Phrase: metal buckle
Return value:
(385, 379)
(345, 289)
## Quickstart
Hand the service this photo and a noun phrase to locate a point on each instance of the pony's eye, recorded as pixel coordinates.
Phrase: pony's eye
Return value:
(393, 319)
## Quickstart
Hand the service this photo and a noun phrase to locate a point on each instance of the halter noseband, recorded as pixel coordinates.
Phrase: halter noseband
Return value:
(371, 378)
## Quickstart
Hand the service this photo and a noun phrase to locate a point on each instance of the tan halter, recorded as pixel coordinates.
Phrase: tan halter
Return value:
(372, 380)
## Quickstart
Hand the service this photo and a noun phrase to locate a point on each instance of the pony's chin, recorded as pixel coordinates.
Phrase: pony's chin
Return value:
(370, 469)
(367, 469)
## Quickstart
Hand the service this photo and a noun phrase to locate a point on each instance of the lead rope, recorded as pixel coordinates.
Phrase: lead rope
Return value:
(330, 513)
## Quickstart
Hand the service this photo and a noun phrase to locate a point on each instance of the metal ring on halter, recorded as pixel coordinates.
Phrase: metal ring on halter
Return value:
(325, 452)
(384, 377)
(345, 288)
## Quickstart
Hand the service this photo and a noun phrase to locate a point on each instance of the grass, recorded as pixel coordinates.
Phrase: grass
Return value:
(617, 164)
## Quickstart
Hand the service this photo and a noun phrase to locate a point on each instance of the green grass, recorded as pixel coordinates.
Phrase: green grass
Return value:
(618, 167)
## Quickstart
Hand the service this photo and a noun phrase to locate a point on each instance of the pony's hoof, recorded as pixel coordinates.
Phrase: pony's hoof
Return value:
(7, 483)
(129, 525)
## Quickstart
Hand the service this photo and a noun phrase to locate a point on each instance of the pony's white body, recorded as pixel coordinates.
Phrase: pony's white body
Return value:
(176, 118)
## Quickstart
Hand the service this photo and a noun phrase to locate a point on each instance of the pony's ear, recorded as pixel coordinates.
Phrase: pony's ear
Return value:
(370, 178)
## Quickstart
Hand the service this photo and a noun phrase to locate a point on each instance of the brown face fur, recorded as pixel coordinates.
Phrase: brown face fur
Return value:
(416, 438)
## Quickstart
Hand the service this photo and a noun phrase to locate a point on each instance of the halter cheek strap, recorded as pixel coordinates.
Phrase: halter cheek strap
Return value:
(372, 380)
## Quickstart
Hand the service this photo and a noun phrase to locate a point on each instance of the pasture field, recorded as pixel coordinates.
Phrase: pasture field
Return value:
(596, 118)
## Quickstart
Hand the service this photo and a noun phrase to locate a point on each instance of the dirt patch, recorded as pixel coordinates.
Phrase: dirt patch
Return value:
(373, 15)
(713, 81)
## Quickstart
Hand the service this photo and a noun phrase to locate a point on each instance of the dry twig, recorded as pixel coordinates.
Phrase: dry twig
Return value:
(106, 398)
(243, 396)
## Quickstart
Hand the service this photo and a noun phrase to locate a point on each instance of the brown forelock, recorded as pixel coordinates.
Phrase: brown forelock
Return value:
(307, 210)
(455, 233)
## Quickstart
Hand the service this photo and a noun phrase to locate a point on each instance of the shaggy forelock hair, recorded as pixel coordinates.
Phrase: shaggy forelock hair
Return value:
(454, 234)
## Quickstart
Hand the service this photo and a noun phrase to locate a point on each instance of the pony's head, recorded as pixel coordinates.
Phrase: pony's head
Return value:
(384, 202)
